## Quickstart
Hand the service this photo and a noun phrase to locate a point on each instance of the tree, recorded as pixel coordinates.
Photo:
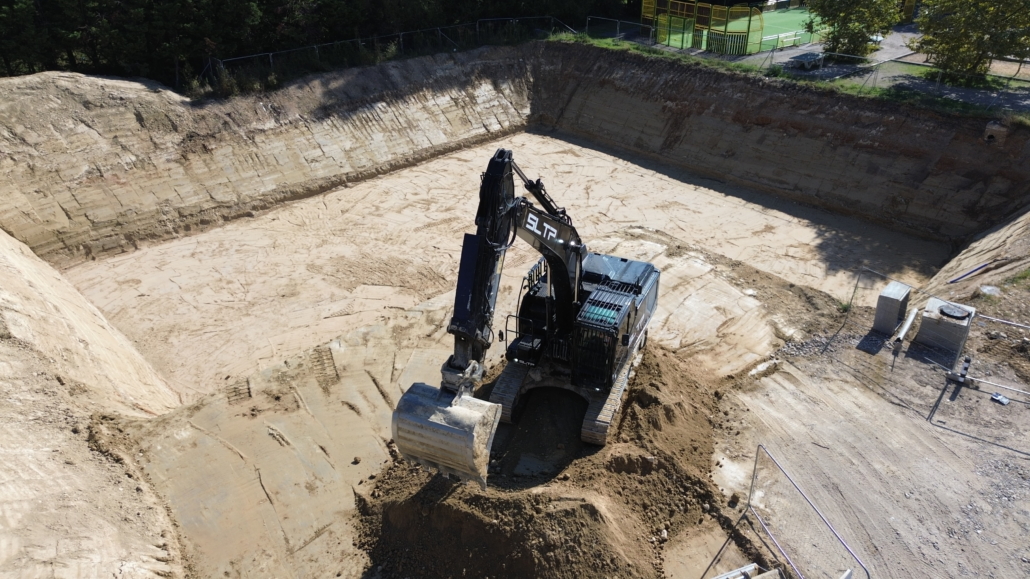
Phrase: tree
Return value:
(19, 39)
(964, 36)
(852, 23)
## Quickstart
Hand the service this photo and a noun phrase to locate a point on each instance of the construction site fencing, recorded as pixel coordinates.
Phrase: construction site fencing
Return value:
(901, 79)
(256, 72)
(799, 531)
(598, 27)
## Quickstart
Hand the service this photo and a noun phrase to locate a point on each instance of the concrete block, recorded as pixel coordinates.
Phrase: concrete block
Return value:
(891, 307)
(940, 331)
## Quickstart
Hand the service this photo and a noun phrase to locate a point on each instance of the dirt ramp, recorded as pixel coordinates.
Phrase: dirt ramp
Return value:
(65, 508)
(444, 530)
(44, 314)
(990, 259)
(599, 512)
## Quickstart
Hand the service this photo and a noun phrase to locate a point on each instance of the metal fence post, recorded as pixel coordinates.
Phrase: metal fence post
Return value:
(747, 39)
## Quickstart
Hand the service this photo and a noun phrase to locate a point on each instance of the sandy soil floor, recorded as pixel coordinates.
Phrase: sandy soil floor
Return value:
(369, 271)
(211, 308)
(920, 477)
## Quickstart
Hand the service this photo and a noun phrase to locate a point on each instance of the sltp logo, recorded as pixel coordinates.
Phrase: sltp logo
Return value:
(533, 224)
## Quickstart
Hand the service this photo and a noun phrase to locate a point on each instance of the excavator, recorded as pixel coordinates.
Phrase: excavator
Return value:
(581, 318)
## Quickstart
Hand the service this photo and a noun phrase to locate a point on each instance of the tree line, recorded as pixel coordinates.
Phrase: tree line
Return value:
(171, 39)
(959, 36)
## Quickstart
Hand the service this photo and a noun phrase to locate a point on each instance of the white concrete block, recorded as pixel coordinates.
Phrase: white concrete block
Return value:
(940, 331)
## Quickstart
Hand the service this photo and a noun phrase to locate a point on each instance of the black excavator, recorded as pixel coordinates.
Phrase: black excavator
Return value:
(581, 318)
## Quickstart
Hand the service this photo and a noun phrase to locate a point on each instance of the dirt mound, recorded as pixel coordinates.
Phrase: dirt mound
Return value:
(522, 534)
(557, 507)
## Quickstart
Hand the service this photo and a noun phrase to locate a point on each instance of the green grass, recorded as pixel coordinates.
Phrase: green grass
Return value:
(907, 96)
(1019, 278)
(615, 44)
(930, 74)
(1018, 120)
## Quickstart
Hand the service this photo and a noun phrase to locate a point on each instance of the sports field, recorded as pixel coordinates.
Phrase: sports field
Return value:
(680, 32)
(783, 21)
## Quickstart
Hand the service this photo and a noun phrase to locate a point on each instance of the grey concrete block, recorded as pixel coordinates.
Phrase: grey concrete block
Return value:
(891, 307)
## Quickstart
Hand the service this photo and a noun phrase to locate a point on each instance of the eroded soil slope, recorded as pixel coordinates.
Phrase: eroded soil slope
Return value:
(924, 172)
(66, 506)
(94, 165)
(91, 166)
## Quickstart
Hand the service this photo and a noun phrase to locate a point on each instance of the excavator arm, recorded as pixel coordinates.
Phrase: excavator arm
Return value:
(479, 272)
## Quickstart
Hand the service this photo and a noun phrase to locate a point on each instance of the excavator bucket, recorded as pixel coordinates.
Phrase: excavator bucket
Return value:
(450, 432)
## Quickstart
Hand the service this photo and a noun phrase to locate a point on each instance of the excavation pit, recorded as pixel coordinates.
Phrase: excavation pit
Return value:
(264, 277)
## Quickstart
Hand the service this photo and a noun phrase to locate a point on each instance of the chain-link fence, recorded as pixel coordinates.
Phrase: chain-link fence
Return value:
(598, 27)
(902, 80)
(795, 55)
(257, 72)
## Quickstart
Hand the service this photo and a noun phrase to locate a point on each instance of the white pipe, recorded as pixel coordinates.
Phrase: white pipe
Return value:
(982, 381)
(907, 326)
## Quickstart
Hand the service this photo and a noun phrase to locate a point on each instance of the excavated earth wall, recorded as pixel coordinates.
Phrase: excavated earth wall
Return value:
(930, 174)
(93, 165)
